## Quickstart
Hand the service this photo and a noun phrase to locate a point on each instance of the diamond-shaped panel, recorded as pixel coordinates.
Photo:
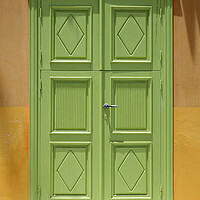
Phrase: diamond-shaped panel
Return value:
(131, 170)
(131, 34)
(70, 170)
(70, 34)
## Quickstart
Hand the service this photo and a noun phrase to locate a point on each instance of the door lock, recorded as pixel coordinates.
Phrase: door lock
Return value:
(106, 105)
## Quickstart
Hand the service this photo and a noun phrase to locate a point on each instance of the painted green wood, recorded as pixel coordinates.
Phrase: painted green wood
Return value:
(33, 100)
(69, 155)
(69, 35)
(167, 100)
(134, 96)
(70, 135)
(85, 151)
(75, 115)
(71, 170)
(132, 35)
(130, 153)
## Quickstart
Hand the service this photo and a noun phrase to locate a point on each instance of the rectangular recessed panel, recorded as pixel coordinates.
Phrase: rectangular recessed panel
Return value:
(131, 39)
(71, 170)
(133, 112)
(71, 34)
(129, 34)
(133, 35)
(131, 169)
(71, 105)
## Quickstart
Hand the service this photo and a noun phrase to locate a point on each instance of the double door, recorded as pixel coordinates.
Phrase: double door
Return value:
(100, 134)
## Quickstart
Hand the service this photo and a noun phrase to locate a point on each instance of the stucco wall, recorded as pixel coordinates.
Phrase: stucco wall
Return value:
(186, 99)
(14, 77)
(14, 99)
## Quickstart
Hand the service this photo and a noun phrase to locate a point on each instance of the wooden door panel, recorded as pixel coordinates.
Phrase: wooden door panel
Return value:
(70, 35)
(133, 95)
(71, 169)
(71, 104)
(70, 135)
(131, 169)
(132, 35)
(132, 135)
(126, 23)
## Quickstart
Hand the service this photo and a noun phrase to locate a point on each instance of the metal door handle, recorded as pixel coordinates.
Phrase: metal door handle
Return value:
(106, 105)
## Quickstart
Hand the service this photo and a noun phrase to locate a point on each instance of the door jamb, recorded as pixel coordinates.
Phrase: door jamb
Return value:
(167, 78)
(34, 101)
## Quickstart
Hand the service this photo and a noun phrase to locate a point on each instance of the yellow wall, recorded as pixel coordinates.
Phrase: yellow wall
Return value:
(14, 99)
(14, 122)
(186, 99)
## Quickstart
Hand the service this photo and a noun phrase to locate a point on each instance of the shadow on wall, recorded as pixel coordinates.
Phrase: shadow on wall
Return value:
(186, 99)
(14, 112)
(190, 10)
(186, 53)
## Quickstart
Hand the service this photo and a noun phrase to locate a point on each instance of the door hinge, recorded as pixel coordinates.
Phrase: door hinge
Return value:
(40, 56)
(40, 13)
(161, 57)
(40, 86)
(39, 191)
(161, 191)
(160, 13)
(161, 85)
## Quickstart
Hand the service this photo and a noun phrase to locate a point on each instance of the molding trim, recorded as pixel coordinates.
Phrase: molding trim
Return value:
(167, 78)
(33, 100)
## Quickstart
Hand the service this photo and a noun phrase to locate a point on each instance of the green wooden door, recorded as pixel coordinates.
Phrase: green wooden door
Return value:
(88, 151)
(70, 135)
(92, 53)
(132, 135)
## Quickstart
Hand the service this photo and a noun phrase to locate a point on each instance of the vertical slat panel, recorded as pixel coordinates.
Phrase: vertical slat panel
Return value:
(71, 104)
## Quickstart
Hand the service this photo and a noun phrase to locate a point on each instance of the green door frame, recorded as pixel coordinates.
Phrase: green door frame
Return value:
(166, 58)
